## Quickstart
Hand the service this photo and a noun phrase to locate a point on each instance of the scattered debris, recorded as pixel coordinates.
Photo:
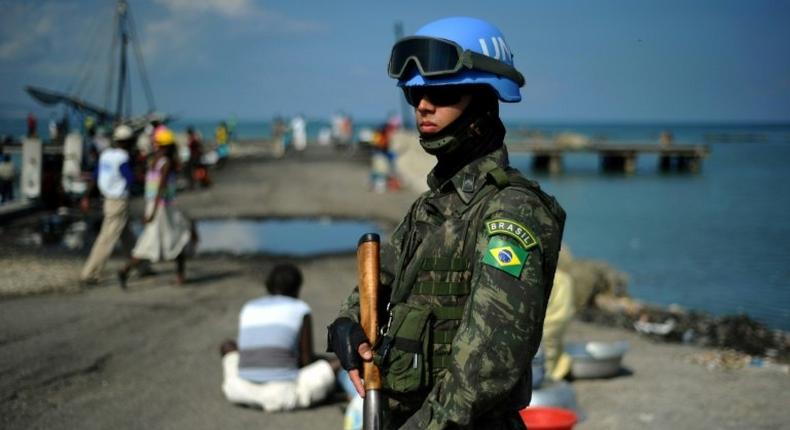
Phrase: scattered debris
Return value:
(643, 325)
(734, 332)
(601, 296)
(721, 360)
(731, 360)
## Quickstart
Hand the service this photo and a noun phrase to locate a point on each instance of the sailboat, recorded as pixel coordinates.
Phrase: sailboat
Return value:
(124, 36)
(72, 177)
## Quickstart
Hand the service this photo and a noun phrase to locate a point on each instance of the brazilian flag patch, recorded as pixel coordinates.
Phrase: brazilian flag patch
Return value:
(506, 256)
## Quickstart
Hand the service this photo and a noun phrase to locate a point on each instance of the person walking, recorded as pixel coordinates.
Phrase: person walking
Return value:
(195, 171)
(470, 268)
(222, 140)
(166, 231)
(279, 130)
(299, 133)
(113, 177)
(32, 125)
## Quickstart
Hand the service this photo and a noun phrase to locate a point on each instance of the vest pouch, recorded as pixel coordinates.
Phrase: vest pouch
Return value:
(404, 355)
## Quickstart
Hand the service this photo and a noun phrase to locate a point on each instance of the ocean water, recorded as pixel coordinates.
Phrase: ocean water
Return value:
(717, 241)
(293, 237)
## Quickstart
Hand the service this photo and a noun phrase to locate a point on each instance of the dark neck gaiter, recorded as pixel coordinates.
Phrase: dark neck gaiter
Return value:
(476, 134)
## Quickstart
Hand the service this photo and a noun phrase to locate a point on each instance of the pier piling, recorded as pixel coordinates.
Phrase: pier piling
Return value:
(622, 158)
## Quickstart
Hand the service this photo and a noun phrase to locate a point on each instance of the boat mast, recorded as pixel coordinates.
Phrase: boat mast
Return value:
(125, 34)
(122, 83)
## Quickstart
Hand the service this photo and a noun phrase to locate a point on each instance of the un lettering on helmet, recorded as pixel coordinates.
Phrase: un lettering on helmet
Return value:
(501, 50)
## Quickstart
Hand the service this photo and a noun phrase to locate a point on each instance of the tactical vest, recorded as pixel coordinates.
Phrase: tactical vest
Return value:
(431, 287)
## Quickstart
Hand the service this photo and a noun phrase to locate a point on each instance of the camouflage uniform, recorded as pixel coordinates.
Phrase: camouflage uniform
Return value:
(469, 272)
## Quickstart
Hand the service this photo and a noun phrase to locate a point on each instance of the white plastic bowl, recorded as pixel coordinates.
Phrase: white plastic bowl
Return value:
(596, 359)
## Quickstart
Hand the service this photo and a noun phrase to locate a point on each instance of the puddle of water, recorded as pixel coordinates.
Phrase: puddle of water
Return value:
(297, 237)
(52, 230)
(293, 237)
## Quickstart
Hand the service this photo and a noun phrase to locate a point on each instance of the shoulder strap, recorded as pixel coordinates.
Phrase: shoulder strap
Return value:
(499, 176)
(398, 295)
(515, 178)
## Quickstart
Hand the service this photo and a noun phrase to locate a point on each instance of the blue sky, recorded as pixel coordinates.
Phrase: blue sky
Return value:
(713, 60)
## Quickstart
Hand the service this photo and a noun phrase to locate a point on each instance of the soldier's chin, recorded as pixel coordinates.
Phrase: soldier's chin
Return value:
(429, 130)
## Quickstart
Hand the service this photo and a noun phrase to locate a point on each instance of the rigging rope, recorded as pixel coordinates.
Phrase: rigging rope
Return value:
(149, 95)
(111, 68)
(88, 67)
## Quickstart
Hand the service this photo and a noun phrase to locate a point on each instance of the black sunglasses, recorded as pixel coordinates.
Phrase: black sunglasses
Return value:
(442, 95)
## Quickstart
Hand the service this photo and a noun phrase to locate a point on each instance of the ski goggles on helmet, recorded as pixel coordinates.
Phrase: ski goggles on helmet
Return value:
(436, 57)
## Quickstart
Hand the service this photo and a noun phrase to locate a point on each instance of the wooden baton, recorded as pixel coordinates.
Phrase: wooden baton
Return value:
(368, 274)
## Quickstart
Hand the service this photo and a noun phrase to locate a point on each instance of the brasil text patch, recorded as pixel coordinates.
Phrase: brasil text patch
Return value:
(505, 255)
(513, 229)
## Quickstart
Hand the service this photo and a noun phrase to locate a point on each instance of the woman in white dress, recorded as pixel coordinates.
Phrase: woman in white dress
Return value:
(166, 231)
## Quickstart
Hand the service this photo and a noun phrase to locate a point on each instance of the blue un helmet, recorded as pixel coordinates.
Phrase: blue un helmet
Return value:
(457, 51)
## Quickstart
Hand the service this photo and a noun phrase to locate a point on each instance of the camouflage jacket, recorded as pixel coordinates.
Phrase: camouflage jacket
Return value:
(478, 252)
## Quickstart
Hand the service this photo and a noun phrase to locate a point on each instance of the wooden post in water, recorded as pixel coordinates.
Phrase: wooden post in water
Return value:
(618, 161)
(687, 162)
(664, 163)
(547, 162)
(619, 158)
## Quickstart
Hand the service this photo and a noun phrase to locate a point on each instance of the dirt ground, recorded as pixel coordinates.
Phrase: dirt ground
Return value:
(148, 358)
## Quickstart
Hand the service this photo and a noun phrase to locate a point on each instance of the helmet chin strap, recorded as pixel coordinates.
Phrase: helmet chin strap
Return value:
(469, 138)
(435, 145)
(472, 124)
(475, 121)
(449, 139)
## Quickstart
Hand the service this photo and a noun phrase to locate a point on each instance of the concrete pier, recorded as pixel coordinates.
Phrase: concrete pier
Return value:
(622, 158)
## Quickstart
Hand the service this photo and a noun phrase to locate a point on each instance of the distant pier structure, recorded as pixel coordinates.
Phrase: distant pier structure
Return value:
(615, 157)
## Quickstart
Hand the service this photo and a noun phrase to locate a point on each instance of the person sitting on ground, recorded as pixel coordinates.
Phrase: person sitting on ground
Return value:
(273, 365)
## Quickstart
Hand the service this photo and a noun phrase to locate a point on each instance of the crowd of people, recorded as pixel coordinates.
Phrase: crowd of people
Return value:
(154, 162)
(292, 134)
(166, 230)
(195, 156)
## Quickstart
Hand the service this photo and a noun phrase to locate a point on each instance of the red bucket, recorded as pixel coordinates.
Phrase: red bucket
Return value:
(545, 418)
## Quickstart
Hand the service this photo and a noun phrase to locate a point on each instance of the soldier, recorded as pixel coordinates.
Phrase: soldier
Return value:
(469, 270)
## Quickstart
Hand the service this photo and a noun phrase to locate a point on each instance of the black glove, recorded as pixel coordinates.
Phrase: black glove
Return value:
(343, 338)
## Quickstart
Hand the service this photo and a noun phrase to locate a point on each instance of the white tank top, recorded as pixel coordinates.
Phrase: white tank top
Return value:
(269, 338)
